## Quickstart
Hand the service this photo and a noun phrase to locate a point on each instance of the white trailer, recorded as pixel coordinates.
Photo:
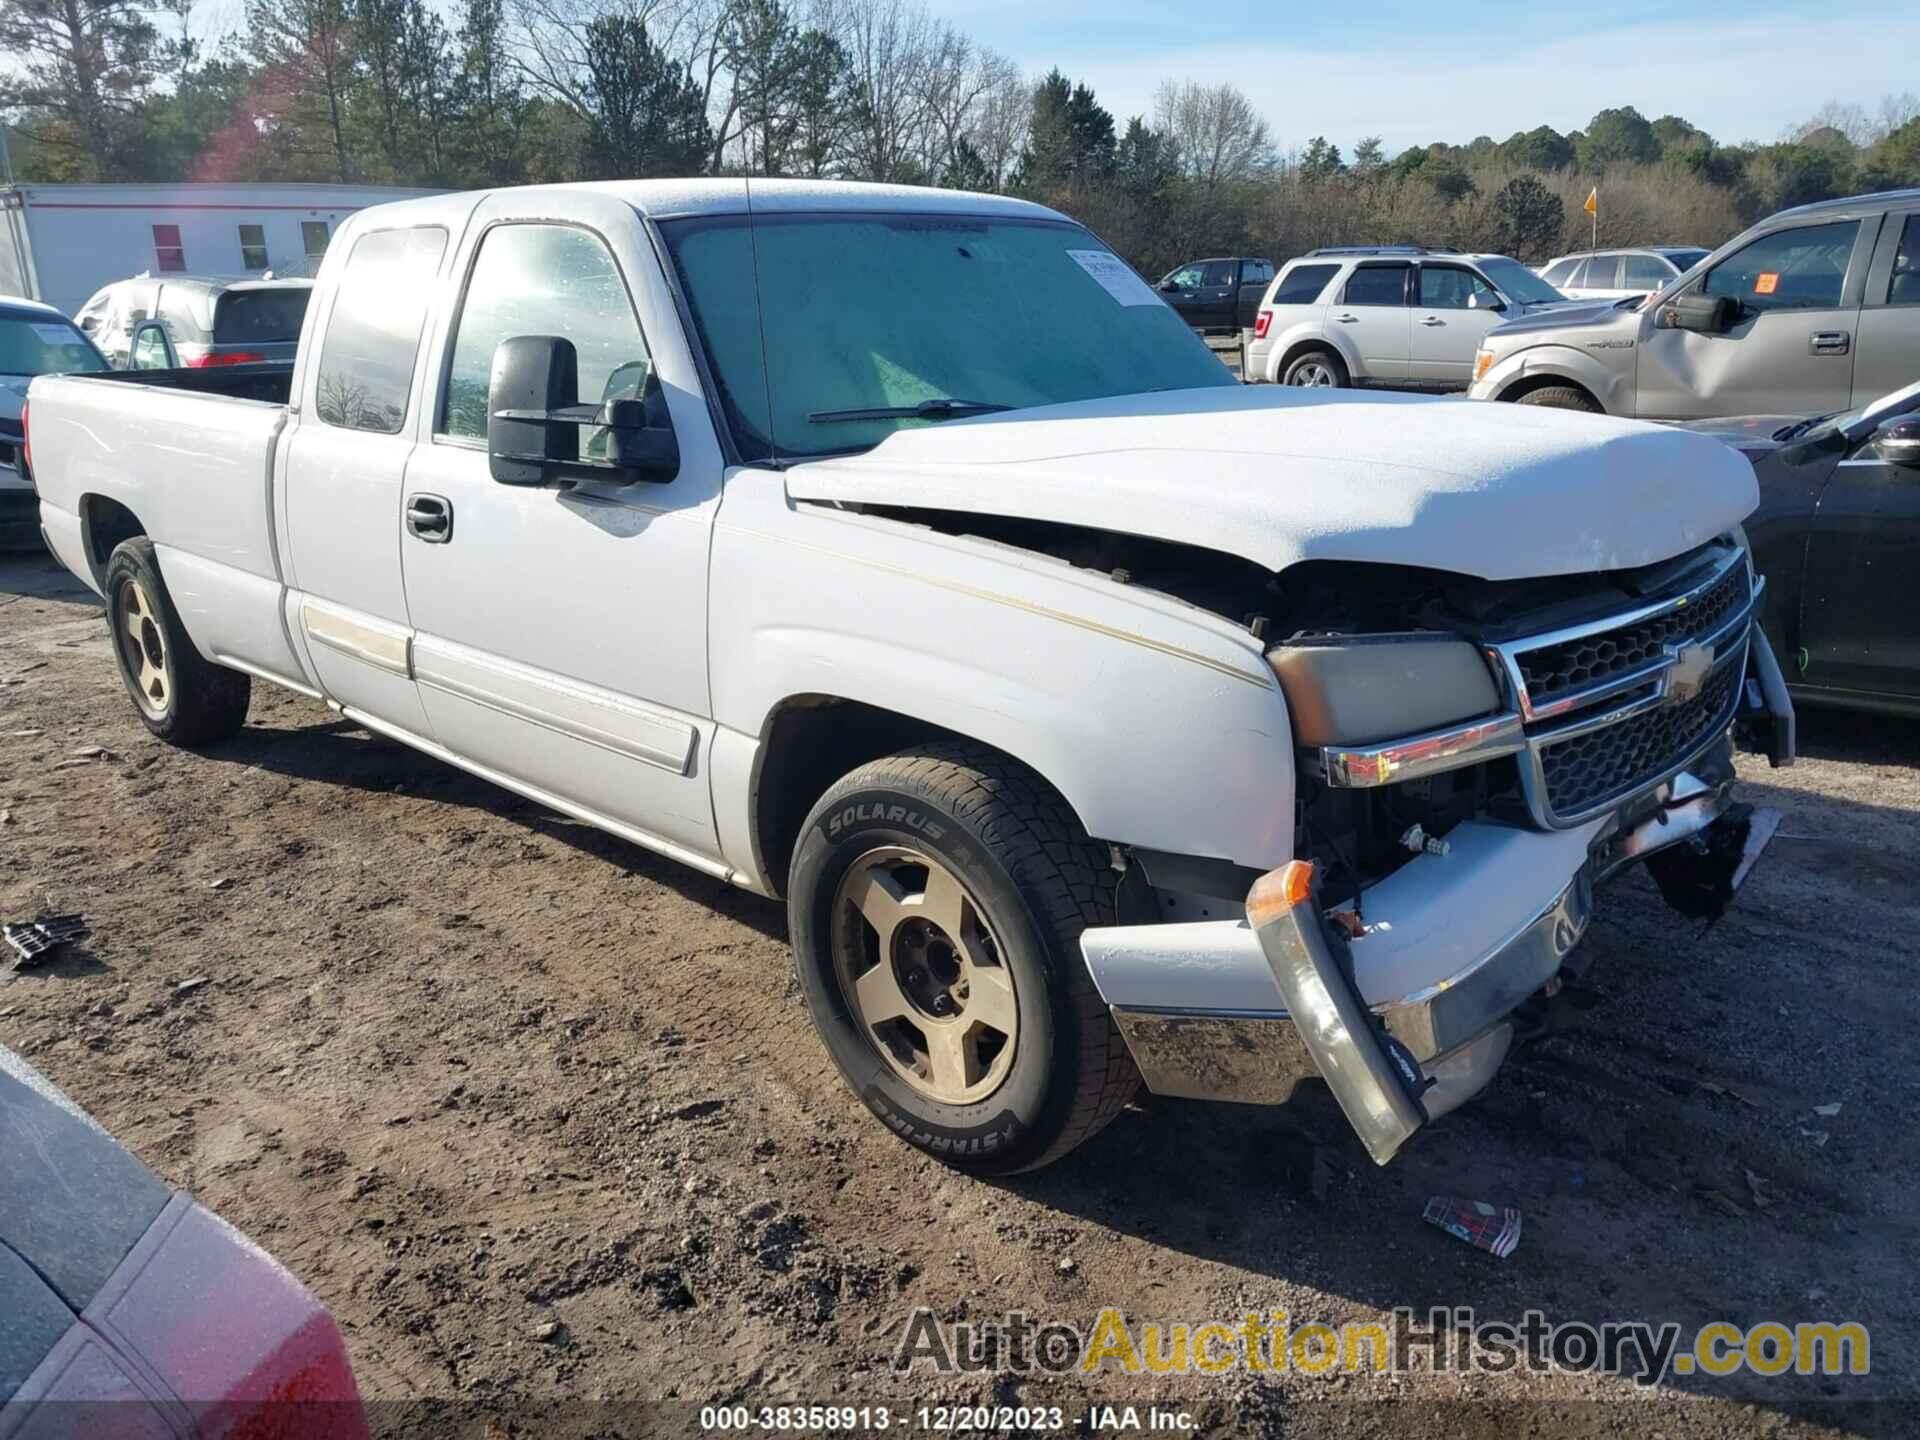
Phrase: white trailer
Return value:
(60, 243)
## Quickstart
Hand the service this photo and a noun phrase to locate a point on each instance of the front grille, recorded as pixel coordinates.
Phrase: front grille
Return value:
(1594, 659)
(1611, 763)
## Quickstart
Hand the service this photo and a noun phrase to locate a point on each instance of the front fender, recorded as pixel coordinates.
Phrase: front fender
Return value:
(1613, 389)
(1161, 725)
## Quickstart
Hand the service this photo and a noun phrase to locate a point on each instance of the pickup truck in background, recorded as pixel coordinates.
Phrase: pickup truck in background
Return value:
(1812, 311)
(1096, 717)
(1214, 296)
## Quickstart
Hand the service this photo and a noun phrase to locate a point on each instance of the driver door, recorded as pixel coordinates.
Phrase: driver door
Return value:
(1452, 316)
(1791, 350)
(561, 630)
(1859, 624)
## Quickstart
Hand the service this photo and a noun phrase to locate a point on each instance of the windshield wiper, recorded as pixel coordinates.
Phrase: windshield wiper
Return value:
(1799, 427)
(942, 409)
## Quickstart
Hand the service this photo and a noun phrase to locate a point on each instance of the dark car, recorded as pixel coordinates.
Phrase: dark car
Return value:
(128, 1310)
(1837, 535)
(1208, 294)
(35, 339)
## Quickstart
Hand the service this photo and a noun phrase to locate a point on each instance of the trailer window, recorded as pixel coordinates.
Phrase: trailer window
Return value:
(253, 247)
(373, 334)
(313, 236)
(169, 255)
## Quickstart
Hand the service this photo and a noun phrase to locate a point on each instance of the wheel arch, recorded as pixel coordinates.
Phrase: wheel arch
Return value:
(104, 524)
(1299, 339)
(1556, 365)
(811, 740)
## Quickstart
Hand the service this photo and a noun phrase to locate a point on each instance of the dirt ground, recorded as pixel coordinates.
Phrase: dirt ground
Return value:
(541, 1118)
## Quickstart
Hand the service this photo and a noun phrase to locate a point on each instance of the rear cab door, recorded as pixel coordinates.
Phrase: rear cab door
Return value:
(357, 392)
(1372, 315)
(1791, 349)
(1888, 349)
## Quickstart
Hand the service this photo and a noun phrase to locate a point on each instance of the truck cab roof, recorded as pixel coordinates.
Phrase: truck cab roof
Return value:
(666, 199)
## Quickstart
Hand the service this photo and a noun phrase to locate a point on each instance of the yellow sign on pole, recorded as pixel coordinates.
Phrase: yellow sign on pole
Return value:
(1592, 207)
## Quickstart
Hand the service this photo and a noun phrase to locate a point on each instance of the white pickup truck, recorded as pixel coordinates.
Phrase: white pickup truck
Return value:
(899, 553)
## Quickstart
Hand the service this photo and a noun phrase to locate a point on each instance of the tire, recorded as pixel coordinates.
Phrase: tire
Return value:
(1316, 370)
(1041, 1067)
(179, 695)
(1561, 397)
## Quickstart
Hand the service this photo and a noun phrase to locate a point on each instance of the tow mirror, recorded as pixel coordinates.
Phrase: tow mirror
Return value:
(534, 420)
(1702, 314)
(1899, 442)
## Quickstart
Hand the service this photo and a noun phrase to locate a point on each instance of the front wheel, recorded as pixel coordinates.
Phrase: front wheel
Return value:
(936, 902)
(1561, 397)
(182, 697)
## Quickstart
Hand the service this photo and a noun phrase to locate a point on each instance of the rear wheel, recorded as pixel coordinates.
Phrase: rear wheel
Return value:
(1315, 370)
(1562, 397)
(936, 903)
(182, 697)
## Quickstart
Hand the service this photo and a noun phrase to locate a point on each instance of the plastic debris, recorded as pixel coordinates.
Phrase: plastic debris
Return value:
(1827, 1112)
(1494, 1229)
(1758, 1185)
(34, 940)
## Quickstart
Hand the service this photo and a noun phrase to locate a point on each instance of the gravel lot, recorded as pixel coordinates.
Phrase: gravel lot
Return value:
(475, 1072)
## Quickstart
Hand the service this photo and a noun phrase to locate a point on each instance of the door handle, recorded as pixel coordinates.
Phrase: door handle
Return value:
(1829, 342)
(430, 518)
(1433, 320)
(1347, 319)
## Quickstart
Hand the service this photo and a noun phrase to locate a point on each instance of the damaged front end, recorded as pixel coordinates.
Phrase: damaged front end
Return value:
(1446, 875)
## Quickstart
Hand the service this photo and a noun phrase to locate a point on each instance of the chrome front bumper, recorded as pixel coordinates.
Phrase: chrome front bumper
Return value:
(1409, 1020)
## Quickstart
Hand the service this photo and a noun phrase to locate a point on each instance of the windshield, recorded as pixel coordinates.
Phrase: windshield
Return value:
(260, 317)
(1517, 282)
(45, 346)
(866, 312)
(1866, 417)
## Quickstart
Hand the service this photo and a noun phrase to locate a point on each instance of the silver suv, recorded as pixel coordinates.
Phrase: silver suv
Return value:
(1810, 312)
(1400, 315)
(163, 322)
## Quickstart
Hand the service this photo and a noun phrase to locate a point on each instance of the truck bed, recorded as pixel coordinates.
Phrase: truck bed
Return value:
(191, 455)
(272, 383)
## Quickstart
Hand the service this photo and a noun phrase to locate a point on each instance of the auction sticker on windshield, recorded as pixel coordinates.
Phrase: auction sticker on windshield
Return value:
(1114, 276)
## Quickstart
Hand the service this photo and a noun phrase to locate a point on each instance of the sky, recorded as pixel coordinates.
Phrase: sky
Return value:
(1417, 72)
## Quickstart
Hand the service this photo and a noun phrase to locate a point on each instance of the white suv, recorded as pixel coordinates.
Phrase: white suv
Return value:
(1616, 274)
(1399, 315)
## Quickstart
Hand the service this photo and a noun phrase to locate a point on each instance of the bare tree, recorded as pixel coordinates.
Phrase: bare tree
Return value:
(888, 43)
(1219, 136)
(998, 130)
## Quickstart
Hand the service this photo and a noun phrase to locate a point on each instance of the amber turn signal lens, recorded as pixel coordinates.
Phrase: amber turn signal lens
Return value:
(1278, 891)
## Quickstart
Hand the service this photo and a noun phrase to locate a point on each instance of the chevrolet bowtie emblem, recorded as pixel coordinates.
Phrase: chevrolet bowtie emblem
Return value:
(1689, 672)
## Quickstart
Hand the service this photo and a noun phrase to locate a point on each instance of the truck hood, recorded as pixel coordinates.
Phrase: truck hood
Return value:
(1278, 475)
(1574, 314)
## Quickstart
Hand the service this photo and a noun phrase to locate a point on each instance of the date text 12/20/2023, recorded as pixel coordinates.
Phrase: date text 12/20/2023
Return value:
(863, 1419)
